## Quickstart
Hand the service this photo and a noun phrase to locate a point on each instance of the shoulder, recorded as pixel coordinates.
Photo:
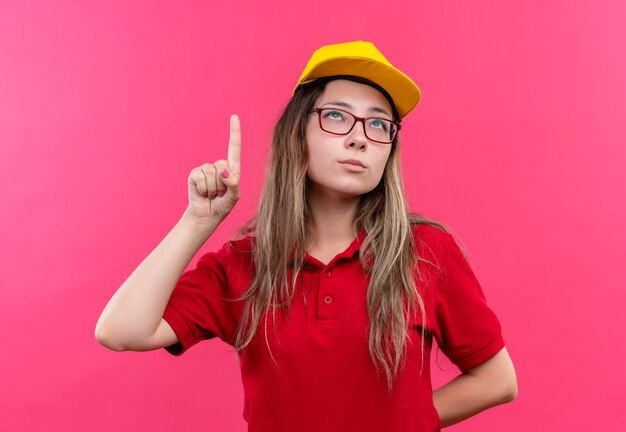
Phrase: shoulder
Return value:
(243, 245)
(427, 231)
(236, 251)
(431, 240)
(233, 263)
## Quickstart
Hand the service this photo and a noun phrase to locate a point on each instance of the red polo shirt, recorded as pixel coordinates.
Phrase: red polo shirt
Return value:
(325, 379)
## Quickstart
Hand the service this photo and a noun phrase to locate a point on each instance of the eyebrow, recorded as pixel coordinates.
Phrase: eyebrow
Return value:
(347, 105)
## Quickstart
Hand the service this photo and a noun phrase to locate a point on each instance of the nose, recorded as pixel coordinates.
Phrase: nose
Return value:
(356, 138)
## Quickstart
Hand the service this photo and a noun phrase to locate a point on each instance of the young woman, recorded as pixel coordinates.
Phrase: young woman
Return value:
(332, 294)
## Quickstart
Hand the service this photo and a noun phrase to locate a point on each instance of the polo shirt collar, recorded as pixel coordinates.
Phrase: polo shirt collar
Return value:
(351, 250)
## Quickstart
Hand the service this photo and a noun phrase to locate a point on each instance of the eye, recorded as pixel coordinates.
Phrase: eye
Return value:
(380, 124)
(333, 115)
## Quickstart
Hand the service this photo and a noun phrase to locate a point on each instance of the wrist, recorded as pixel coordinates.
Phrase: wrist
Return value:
(204, 226)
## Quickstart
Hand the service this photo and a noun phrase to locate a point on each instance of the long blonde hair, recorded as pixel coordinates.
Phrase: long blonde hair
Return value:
(388, 253)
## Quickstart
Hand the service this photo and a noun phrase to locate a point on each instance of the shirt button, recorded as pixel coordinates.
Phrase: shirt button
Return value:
(327, 273)
(328, 299)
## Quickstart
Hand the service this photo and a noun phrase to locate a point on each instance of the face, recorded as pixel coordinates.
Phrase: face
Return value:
(327, 152)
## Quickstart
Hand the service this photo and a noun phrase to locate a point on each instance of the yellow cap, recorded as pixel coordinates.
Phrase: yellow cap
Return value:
(362, 59)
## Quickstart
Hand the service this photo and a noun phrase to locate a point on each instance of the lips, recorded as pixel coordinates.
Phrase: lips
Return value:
(353, 162)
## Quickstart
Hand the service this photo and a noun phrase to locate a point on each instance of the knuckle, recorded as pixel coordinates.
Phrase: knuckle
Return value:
(206, 167)
(220, 165)
(196, 177)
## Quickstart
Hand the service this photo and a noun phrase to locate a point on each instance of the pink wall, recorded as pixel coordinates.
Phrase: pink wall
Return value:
(518, 145)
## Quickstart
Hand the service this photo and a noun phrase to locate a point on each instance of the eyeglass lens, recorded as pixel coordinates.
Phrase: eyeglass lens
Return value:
(340, 122)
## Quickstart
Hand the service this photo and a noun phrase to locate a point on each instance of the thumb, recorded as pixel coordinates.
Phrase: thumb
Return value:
(231, 180)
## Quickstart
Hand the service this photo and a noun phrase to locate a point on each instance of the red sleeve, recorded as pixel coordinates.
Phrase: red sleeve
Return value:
(197, 308)
(469, 330)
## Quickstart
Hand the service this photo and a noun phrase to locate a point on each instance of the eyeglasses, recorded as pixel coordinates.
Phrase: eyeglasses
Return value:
(339, 122)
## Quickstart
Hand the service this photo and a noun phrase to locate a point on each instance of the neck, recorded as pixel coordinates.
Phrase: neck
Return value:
(332, 219)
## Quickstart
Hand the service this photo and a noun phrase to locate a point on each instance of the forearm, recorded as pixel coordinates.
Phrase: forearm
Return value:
(135, 310)
(466, 396)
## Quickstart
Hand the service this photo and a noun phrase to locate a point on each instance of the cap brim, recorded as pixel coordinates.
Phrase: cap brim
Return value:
(401, 88)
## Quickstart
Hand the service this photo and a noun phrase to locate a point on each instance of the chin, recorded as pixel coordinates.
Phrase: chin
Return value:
(346, 188)
(351, 191)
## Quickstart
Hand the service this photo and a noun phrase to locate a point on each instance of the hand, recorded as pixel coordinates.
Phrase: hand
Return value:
(214, 188)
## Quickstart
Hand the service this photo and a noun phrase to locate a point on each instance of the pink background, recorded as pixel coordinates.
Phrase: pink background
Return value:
(518, 145)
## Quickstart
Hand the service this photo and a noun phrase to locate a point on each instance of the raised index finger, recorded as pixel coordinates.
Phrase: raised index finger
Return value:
(234, 143)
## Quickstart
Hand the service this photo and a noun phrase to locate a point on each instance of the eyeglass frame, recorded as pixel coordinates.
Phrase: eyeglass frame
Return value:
(356, 120)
